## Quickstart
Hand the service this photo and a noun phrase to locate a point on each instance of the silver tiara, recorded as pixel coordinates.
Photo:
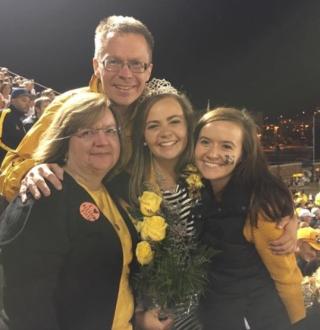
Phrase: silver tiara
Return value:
(157, 87)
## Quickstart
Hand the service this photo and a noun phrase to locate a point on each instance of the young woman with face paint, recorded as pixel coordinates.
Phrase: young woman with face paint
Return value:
(242, 204)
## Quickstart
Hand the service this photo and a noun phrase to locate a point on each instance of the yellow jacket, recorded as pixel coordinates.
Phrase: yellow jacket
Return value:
(18, 162)
(282, 268)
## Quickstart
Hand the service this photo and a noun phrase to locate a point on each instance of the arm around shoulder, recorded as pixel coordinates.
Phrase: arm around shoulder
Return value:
(282, 268)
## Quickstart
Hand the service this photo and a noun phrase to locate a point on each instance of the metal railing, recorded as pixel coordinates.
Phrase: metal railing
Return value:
(42, 87)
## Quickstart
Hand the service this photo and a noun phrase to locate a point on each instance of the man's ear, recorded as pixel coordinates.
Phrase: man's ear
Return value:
(95, 65)
(149, 70)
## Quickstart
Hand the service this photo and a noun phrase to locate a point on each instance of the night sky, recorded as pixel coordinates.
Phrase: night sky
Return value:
(260, 54)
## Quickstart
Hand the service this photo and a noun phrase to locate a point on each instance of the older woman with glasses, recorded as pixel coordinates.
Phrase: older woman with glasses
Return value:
(67, 257)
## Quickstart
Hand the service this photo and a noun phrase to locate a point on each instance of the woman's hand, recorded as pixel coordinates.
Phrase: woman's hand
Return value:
(286, 244)
(34, 181)
(149, 320)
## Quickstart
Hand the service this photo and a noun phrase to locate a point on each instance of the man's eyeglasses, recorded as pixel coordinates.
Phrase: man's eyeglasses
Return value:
(115, 64)
(88, 134)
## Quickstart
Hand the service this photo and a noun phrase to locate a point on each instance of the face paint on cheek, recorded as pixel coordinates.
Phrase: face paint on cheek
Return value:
(229, 160)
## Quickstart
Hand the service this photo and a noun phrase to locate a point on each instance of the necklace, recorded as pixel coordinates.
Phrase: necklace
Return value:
(164, 183)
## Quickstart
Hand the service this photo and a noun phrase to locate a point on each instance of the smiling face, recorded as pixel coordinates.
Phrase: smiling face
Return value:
(123, 87)
(22, 103)
(218, 151)
(166, 130)
(93, 155)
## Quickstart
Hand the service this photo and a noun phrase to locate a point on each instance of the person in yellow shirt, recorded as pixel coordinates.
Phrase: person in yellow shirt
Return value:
(242, 204)
(122, 64)
(308, 250)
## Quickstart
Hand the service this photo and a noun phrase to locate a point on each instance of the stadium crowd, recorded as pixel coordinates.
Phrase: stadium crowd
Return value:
(22, 102)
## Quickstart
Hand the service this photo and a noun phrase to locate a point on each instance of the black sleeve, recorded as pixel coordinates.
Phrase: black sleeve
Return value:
(7, 133)
(32, 263)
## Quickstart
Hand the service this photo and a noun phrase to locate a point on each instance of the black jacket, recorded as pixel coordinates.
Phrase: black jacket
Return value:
(240, 285)
(62, 272)
(12, 130)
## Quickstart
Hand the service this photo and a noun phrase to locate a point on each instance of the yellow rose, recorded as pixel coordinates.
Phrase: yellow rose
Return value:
(153, 228)
(194, 181)
(144, 253)
(138, 226)
(191, 168)
(149, 203)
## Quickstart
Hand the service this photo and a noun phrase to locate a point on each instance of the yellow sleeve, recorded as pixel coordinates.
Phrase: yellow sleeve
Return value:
(282, 268)
(19, 161)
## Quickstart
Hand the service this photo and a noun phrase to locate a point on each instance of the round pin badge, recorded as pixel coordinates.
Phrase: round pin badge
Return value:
(89, 211)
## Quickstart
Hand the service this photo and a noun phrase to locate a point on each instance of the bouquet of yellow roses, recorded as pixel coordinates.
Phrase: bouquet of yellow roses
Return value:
(173, 272)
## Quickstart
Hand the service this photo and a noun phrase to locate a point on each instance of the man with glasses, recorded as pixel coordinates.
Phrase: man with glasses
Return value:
(122, 65)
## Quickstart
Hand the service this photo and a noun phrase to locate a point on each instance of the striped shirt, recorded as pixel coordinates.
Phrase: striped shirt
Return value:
(180, 201)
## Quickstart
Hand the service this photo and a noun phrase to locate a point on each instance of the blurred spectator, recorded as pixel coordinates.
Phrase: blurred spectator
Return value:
(17, 81)
(39, 105)
(4, 70)
(1, 78)
(305, 217)
(29, 85)
(317, 199)
(2, 102)
(300, 198)
(308, 259)
(6, 90)
(48, 93)
(11, 127)
(6, 76)
(308, 250)
(315, 222)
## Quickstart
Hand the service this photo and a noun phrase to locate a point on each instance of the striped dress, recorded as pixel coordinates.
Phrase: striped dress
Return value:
(180, 200)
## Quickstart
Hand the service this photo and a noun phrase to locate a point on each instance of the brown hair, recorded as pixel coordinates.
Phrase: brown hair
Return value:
(141, 160)
(269, 194)
(81, 110)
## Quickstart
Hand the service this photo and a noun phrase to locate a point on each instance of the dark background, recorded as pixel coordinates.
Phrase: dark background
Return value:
(259, 54)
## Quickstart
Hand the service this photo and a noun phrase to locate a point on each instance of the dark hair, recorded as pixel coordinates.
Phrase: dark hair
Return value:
(141, 160)
(269, 193)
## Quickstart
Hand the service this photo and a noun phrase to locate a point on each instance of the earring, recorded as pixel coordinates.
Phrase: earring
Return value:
(65, 158)
(145, 143)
